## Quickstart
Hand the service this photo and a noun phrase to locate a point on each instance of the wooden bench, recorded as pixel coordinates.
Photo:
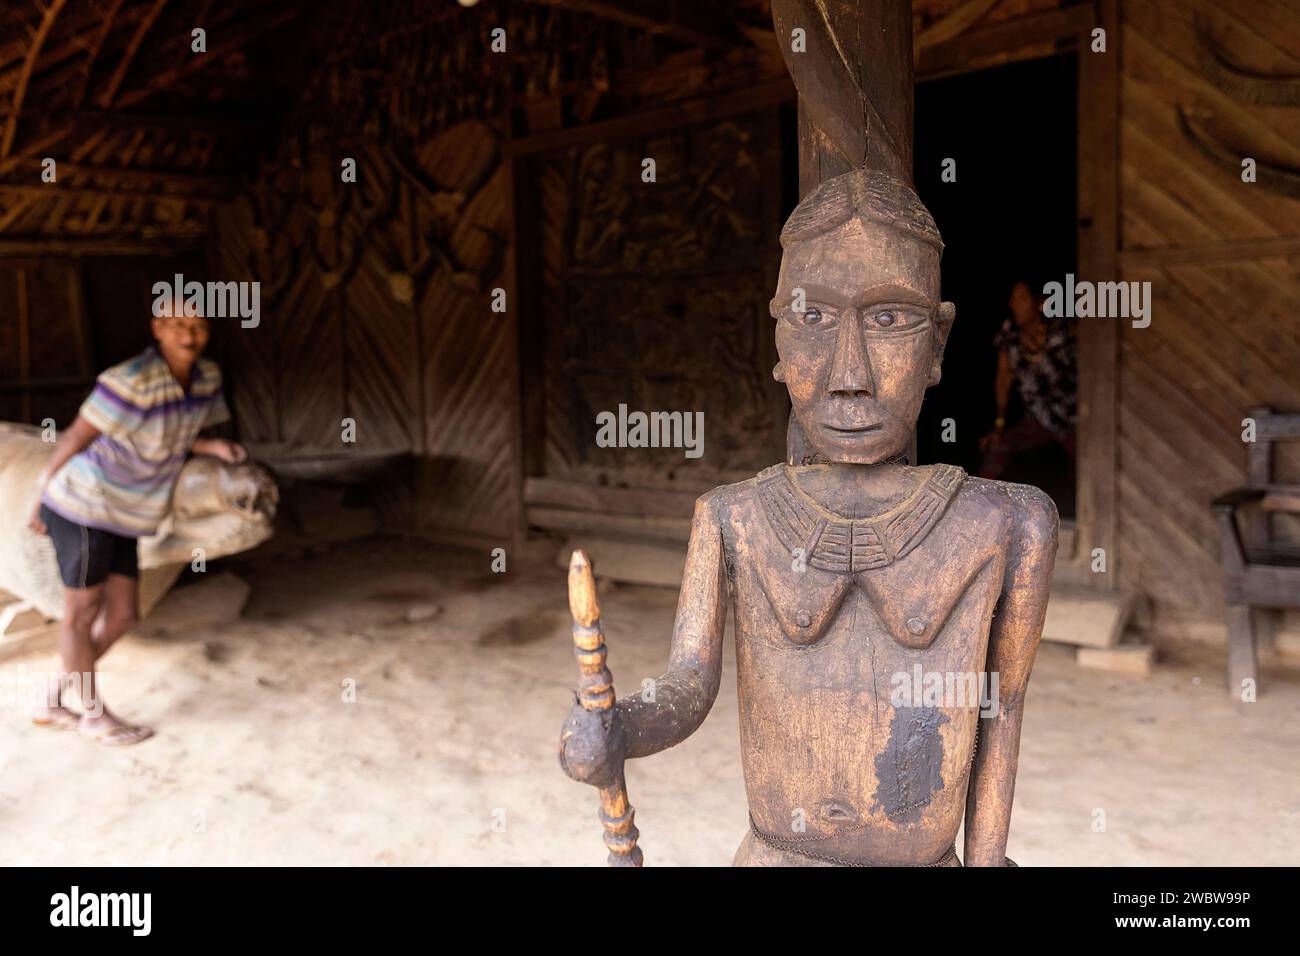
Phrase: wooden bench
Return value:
(1260, 573)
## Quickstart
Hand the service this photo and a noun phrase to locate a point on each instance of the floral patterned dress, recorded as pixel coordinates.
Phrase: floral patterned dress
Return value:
(1047, 379)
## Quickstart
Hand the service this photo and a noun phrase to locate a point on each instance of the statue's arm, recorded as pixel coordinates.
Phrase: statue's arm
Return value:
(1013, 640)
(684, 695)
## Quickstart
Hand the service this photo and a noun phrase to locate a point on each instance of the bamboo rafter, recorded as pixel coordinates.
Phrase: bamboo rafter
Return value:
(29, 64)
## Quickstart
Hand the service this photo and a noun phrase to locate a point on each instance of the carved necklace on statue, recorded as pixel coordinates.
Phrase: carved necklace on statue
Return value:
(816, 458)
(832, 542)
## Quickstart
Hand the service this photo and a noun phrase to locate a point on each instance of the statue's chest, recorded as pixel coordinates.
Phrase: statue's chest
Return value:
(933, 571)
(937, 604)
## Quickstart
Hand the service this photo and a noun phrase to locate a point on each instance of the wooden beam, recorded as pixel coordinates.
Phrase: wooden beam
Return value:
(1097, 429)
(1225, 251)
(221, 186)
(35, 147)
(29, 64)
(582, 496)
(52, 190)
(234, 42)
(128, 55)
(24, 344)
(16, 211)
(589, 522)
(38, 247)
(86, 121)
(962, 53)
(685, 113)
(48, 384)
(96, 45)
(855, 84)
(701, 24)
(81, 331)
(952, 24)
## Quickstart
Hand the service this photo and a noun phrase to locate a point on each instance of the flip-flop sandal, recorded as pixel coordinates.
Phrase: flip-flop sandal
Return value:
(64, 720)
(120, 736)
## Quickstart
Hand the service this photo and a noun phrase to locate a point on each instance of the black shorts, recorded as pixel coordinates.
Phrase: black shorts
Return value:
(87, 555)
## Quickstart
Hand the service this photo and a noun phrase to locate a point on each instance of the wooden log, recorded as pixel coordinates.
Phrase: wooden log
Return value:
(20, 616)
(1087, 618)
(34, 640)
(1133, 659)
(634, 562)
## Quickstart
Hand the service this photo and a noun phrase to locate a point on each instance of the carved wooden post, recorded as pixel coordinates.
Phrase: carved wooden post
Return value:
(852, 67)
(854, 79)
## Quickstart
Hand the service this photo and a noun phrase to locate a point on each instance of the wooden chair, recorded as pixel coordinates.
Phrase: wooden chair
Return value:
(1260, 573)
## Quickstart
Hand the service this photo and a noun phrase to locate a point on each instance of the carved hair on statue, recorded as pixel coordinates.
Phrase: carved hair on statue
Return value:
(867, 193)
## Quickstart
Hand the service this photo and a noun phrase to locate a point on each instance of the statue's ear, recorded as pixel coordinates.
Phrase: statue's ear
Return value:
(798, 451)
(942, 326)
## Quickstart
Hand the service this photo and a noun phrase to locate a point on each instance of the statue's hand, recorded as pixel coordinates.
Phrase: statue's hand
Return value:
(592, 745)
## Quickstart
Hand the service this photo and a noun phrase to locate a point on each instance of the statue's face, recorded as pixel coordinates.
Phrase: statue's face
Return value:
(859, 356)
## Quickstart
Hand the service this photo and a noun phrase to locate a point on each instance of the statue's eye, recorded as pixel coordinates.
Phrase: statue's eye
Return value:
(886, 319)
(812, 316)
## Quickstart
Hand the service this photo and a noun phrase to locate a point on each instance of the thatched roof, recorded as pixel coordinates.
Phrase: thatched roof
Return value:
(149, 135)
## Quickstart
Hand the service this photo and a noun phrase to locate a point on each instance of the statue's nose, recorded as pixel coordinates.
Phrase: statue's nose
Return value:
(851, 368)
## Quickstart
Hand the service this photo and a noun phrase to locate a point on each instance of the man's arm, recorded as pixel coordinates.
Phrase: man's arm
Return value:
(1013, 640)
(227, 451)
(73, 439)
(1002, 385)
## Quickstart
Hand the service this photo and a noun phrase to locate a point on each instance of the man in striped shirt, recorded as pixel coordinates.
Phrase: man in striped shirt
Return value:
(110, 482)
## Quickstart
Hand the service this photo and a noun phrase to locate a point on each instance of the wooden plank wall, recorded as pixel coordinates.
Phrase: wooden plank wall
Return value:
(64, 319)
(376, 307)
(1225, 329)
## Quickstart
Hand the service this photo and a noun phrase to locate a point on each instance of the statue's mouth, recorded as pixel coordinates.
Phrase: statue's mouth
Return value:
(851, 429)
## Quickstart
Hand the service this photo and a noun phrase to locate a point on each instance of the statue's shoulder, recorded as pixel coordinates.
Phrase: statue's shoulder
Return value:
(737, 498)
(1030, 512)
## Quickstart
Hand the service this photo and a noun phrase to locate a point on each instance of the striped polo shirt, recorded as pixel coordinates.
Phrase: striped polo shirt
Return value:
(122, 481)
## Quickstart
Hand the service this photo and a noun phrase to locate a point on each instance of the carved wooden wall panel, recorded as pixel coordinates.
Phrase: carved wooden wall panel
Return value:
(376, 308)
(656, 297)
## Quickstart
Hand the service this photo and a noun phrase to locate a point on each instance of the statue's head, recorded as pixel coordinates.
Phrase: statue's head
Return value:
(860, 329)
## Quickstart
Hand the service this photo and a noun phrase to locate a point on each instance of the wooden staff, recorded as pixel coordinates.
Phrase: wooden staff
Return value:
(596, 692)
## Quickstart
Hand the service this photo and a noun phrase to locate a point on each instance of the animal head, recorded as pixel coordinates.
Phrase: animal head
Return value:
(219, 508)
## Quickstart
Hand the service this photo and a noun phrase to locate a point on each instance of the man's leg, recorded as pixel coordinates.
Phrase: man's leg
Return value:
(83, 562)
(117, 615)
(80, 608)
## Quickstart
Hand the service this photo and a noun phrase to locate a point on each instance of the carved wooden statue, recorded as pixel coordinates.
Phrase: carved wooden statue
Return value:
(870, 596)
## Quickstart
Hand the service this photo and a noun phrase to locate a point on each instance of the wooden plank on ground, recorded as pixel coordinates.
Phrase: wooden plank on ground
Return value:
(43, 637)
(1087, 618)
(633, 562)
(1133, 659)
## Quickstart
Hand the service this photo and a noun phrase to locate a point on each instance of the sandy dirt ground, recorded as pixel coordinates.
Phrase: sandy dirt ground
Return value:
(448, 753)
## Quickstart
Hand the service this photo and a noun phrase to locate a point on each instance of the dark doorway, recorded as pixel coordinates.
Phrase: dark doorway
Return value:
(1009, 215)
